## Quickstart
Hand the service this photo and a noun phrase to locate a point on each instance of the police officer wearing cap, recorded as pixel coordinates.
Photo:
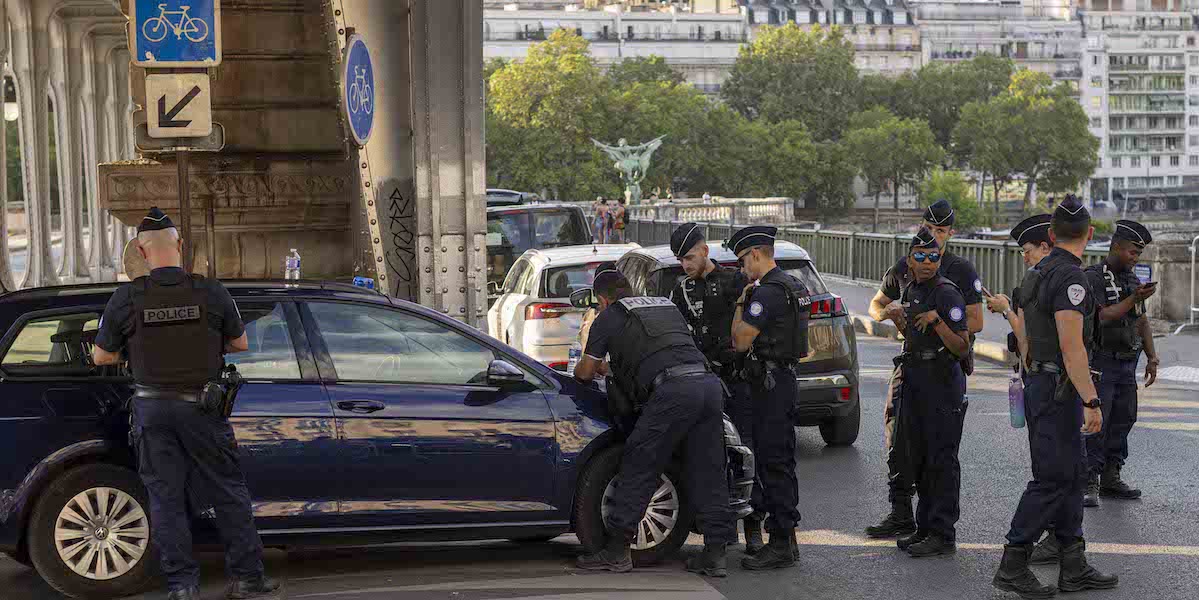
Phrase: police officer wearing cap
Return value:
(654, 360)
(771, 324)
(175, 440)
(707, 298)
(1123, 333)
(932, 396)
(1060, 404)
(938, 219)
(1032, 235)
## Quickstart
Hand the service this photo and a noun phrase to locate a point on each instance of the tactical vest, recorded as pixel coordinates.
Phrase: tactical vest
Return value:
(1119, 335)
(1040, 327)
(172, 345)
(913, 339)
(785, 338)
(654, 325)
(711, 318)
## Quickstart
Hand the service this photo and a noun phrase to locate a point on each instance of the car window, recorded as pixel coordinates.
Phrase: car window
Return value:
(513, 229)
(369, 343)
(635, 270)
(272, 355)
(563, 227)
(806, 274)
(518, 271)
(53, 346)
(563, 281)
(525, 284)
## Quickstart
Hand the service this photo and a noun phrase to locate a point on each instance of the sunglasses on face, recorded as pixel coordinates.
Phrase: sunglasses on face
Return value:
(741, 259)
(933, 257)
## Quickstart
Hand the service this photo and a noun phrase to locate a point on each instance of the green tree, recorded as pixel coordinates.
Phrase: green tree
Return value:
(788, 73)
(642, 69)
(891, 151)
(951, 186)
(986, 137)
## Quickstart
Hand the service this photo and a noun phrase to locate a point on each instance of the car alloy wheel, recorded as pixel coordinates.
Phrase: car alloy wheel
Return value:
(102, 533)
(660, 516)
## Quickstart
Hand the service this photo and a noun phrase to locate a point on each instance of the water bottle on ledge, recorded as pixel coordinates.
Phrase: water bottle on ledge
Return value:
(291, 265)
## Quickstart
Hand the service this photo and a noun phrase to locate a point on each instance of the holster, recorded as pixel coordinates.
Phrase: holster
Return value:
(620, 402)
(218, 396)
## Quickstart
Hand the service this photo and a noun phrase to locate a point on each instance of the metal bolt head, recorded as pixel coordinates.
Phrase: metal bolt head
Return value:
(462, 248)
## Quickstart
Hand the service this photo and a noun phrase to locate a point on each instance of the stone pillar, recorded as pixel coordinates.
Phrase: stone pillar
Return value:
(30, 59)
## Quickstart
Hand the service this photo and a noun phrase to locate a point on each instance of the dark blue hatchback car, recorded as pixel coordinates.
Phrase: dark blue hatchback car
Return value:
(365, 419)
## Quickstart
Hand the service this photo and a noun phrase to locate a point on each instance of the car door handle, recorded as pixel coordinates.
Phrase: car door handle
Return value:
(361, 406)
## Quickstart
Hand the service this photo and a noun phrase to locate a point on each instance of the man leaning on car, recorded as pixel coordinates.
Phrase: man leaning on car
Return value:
(176, 328)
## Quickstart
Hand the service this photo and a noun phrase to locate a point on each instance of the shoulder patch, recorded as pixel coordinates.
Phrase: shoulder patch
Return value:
(956, 314)
(1076, 294)
(978, 285)
(755, 309)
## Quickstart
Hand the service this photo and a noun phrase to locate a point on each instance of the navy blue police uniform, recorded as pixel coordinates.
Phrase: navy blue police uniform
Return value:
(1035, 230)
(1116, 357)
(177, 444)
(933, 400)
(653, 358)
(778, 307)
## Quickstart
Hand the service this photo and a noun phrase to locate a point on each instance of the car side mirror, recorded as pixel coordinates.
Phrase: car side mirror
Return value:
(502, 372)
(584, 298)
(494, 288)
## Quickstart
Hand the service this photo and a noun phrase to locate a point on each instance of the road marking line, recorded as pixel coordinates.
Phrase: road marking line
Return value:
(1169, 426)
(1168, 403)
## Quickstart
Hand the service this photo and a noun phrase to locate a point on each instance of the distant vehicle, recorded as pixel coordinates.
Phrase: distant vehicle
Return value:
(827, 377)
(513, 230)
(501, 197)
(534, 314)
(1105, 207)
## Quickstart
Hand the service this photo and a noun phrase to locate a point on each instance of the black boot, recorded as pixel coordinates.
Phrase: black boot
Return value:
(899, 522)
(1113, 485)
(1090, 499)
(187, 593)
(613, 557)
(753, 535)
(1048, 552)
(904, 543)
(1014, 575)
(711, 562)
(251, 588)
(933, 545)
(777, 554)
(1076, 575)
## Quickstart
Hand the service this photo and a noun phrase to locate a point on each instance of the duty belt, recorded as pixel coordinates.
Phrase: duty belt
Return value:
(145, 391)
(1037, 367)
(772, 365)
(676, 372)
(914, 355)
(1135, 354)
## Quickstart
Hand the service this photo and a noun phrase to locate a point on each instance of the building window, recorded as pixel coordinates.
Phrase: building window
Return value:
(1134, 162)
(1175, 161)
(1172, 181)
(1095, 60)
(1155, 161)
(1097, 122)
(1193, 120)
(1194, 79)
(1095, 102)
(1116, 162)
(1195, 60)
(1096, 82)
(1195, 161)
(1194, 140)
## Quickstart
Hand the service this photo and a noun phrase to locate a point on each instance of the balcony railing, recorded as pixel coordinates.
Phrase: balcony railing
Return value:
(887, 47)
(540, 35)
(1139, 68)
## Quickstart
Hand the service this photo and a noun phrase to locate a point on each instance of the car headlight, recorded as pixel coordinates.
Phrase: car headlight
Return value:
(731, 437)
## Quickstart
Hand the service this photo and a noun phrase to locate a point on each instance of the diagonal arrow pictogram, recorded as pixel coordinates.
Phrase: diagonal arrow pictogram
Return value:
(167, 119)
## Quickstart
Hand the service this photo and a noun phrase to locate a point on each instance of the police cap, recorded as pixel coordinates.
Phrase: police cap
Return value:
(751, 237)
(924, 239)
(685, 238)
(1034, 229)
(1133, 232)
(1071, 210)
(939, 213)
(155, 220)
(605, 273)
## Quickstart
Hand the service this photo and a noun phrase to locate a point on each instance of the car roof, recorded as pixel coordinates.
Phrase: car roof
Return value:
(515, 208)
(783, 250)
(577, 255)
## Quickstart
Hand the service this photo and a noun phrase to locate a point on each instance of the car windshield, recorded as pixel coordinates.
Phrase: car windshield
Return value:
(562, 281)
(800, 269)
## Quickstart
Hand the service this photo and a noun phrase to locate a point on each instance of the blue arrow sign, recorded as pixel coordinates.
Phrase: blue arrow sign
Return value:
(176, 33)
(358, 89)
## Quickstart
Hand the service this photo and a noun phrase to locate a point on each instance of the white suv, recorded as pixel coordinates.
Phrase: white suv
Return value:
(534, 314)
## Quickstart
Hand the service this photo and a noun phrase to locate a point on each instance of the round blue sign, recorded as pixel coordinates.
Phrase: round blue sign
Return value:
(358, 89)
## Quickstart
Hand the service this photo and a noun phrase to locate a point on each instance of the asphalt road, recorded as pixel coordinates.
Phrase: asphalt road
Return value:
(1153, 543)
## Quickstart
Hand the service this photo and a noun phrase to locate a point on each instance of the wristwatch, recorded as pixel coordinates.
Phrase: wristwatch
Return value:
(1007, 313)
(1093, 403)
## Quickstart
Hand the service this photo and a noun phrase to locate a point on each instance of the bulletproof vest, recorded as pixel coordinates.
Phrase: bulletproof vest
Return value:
(1119, 335)
(917, 301)
(1039, 324)
(711, 303)
(172, 345)
(654, 325)
(785, 337)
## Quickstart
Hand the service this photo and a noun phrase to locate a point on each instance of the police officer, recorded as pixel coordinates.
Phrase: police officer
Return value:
(707, 298)
(1123, 333)
(932, 396)
(1060, 403)
(176, 442)
(1032, 235)
(655, 362)
(938, 218)
(771, 323)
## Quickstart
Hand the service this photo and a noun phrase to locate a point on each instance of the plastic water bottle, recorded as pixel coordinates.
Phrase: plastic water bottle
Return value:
(291, 265)
(1015, 399)
(576, 353)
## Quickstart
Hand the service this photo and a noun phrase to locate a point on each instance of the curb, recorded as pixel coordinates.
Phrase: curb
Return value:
(989, 351)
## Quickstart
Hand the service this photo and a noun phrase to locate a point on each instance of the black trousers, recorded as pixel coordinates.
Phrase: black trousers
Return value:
(740, 410)
(685, 413)
(774, 440)
(1117, 390)
(900, 487)
(931, 418)
(178, 445)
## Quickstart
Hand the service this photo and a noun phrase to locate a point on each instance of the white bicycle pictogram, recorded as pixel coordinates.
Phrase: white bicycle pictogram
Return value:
(360, 92)
(155, 29)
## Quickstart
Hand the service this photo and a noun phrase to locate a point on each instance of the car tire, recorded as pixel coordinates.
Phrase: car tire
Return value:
(19, 558)
(842, 431)
(121, 512)
(589, 501)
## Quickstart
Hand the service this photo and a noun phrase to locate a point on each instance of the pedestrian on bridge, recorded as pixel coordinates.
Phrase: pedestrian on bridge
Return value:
(938, 219)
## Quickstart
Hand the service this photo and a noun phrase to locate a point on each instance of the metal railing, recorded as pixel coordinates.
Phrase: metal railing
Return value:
(866, 256)
(744, 211)
(1194, 310)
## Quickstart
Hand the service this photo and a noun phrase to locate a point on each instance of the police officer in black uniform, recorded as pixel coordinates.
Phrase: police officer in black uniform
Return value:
(654, 361)
(1123, 333)
(707, 298)
(771, 324)
(932, 396)
(177, 442)
(1032, 235)
(938, 218)
(1060, 403)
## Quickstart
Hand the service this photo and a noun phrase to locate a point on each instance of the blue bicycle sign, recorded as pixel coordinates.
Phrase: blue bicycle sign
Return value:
(358, 89)
(176, 33)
